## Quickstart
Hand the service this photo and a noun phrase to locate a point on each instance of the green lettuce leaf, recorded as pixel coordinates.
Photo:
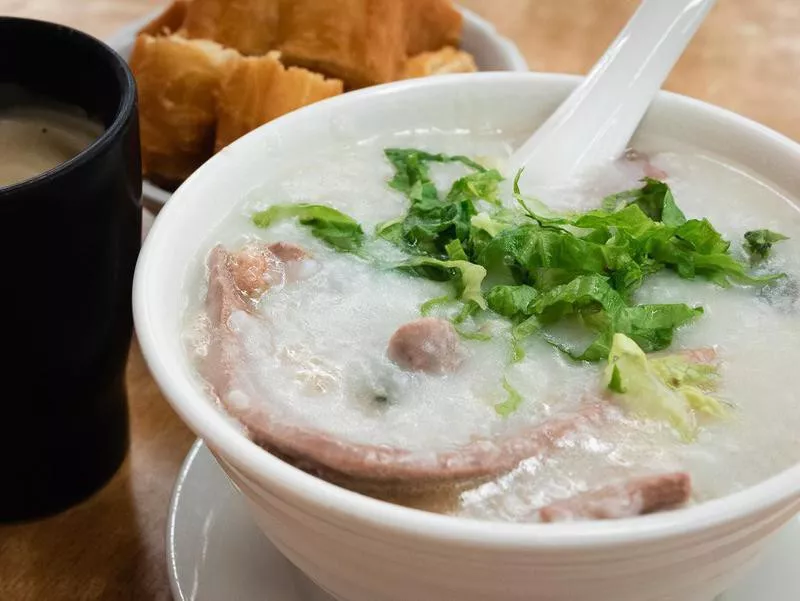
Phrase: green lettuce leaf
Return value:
(642, 390)
(758, 243)
(428, 306)
(603, 310)
(546, 257)
(481, 185)
(513, 302)
(329, 225)
(489, 224)
(455, 251)
(540, 212)
(655, 199)
(412, 169)
(678, 370)
(432, 223)
(513, 400)
(653, 326)
(468, 275)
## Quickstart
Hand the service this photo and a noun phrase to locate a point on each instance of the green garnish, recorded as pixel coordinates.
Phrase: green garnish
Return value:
(431, 222)
(428, 306)
(468, 275)
(677, 371)
(603, 310)
(758, 243)
(329, 225)
(646, 389)
(654, 199)
(544, 269)
(514, 302)
(513, 400)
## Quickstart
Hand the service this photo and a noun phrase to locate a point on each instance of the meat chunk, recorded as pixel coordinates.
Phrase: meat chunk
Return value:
(429, 345)
(255, 269)
(631, 498)
(288, 251)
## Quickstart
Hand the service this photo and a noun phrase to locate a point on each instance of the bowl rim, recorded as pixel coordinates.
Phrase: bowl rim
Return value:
(330, 501)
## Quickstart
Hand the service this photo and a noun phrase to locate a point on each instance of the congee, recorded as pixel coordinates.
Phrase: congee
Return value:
(404, 318)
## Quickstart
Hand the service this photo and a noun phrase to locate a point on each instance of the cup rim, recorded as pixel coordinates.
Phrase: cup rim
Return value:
(125, 107)
(334, 504)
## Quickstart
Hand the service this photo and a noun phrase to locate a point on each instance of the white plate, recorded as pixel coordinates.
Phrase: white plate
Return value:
(492, 52)
(215, 551)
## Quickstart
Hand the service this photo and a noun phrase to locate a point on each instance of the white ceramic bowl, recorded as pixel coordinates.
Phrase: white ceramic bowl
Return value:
(492, 52)
(361, 549)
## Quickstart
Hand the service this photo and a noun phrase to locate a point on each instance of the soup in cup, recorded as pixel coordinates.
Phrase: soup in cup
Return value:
(409, 365)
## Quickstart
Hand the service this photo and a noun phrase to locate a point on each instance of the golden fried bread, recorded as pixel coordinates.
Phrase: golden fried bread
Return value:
(256, 90)
(168, 22)
(249, 26)
(431, 25)
(446, 60)
(178, 81)
(361, 42)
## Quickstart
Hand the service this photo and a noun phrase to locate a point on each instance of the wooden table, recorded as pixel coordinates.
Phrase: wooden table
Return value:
(746, 57)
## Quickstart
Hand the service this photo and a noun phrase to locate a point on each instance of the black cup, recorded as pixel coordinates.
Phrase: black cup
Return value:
(69, 239)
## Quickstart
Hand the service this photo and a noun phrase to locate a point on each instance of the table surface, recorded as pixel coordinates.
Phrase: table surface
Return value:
(746, 57)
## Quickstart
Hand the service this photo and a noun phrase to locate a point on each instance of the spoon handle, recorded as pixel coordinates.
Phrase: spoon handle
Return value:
(596, 122)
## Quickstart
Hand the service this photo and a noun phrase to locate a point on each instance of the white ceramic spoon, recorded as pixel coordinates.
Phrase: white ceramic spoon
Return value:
(595, 123)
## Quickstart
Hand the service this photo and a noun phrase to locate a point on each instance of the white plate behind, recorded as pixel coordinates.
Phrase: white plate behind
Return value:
(215, 551)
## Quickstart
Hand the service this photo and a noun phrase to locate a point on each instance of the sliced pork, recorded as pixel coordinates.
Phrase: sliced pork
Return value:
(637, 496)
(359, 466)
(255, 269)
(429, 344)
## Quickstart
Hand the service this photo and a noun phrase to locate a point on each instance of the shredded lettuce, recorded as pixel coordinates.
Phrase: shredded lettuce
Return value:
(542, 213)
(545, 257)
(412, 169)
(469, 276)
(758, 243)
(455, 251)
(488, 224)
(542, 269)
(481, 185)
(603, 310)
(642, 389)
(329, 225)
(513, 400)
(513, 302)
(654, 199)
(677, 371)
(428, 306)
(431, 223)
